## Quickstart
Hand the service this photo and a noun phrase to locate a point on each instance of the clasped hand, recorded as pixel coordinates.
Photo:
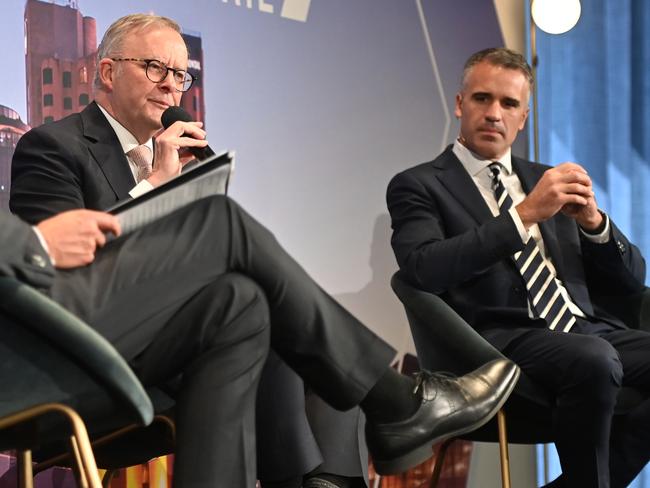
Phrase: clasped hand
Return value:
(566, 188)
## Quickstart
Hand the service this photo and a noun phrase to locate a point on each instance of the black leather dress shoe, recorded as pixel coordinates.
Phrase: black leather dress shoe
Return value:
(450, 407)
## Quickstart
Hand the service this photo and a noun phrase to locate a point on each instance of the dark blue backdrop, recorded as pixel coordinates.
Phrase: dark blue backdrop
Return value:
(594, 93)
(594, 108)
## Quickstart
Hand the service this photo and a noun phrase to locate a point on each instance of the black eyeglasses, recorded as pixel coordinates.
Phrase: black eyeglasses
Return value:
(157, 72)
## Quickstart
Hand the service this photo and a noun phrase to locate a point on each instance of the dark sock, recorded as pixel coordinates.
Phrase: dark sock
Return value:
(326, 480)
(288, 483)
(391, 399)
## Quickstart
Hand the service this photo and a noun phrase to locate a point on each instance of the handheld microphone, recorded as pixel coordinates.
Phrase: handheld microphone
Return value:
(174, 114)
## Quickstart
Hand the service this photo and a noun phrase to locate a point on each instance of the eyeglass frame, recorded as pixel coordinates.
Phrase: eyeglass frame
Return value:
(147, 63)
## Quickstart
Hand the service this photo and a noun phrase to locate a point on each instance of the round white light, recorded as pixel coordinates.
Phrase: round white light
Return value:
(556, 16)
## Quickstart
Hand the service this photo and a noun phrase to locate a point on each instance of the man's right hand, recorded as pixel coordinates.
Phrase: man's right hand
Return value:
(171, 150)
(73, 237)
(565, 184)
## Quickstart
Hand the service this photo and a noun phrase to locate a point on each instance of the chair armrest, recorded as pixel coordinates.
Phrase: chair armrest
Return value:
(49, 320)
(443, 340)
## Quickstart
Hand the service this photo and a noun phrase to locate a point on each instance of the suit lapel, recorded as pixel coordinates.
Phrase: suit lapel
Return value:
(529, 175)
(107, 151)
(461, 186)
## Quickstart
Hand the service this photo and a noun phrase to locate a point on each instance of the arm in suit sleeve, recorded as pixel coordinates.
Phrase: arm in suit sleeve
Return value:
(45, 177)
(21, 254)
(432, 246)
(615, 267)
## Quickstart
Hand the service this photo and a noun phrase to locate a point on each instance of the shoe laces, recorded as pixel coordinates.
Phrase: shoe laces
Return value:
(428, 388)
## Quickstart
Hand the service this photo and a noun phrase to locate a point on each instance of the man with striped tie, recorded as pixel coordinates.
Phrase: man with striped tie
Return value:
(519, 249)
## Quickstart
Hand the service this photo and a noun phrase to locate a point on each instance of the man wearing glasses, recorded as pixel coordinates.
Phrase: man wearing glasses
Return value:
(107, 153)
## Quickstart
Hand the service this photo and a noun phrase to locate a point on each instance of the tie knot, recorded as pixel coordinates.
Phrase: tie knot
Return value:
(143, 158)
(495, 168)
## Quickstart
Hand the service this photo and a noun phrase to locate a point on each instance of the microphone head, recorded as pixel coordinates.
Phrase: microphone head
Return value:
(174, 114)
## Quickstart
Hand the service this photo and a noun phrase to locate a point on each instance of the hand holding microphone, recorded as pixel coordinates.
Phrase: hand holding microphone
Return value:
(177, 114)
(179, 135)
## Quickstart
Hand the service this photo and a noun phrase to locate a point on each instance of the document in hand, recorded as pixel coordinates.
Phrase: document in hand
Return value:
(209, 177)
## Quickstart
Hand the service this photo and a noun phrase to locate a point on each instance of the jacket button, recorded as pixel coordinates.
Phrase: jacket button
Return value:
(38, 260)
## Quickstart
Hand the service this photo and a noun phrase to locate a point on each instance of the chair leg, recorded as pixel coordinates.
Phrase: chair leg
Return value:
(171, 425)
(80, 435)
(78, 464)
(82, 448)
(439, 461)
(108, 477)
(24, 465)
(106, 439)
(503, 449)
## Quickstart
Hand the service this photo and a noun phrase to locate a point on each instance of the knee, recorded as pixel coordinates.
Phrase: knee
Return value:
(213, 205)
(597, 371)
(248, 296)
(219, 202)
(236, 309)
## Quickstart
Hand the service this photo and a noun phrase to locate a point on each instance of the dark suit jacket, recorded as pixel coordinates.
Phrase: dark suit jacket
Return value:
(447, 241)
(21, 255)
(74, 163)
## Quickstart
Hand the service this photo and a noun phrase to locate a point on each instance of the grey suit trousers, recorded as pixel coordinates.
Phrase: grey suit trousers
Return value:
(133, 301)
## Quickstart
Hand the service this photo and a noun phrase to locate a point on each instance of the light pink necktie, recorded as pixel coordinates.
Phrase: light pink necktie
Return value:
(143, 158)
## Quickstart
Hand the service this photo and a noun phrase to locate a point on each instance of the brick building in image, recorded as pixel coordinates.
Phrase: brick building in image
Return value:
(193, 101)
(60, 50)
(60, 59)
(11, 129)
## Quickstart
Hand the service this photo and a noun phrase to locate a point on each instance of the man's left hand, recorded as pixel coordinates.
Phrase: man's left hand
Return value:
(587, 216)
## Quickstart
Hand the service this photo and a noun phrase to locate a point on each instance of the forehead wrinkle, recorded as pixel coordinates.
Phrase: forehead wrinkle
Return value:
(135, 42)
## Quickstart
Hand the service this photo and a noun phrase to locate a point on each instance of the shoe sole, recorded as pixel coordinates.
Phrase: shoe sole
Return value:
(421, 453)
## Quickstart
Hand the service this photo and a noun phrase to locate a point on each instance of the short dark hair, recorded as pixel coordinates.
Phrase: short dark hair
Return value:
(499, 56)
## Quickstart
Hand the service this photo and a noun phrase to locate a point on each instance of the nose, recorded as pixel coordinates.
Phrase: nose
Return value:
(493, 112)
(167, 83)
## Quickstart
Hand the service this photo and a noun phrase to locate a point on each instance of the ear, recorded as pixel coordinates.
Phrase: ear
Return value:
(524, 117)
(458, 109)
(106, 71)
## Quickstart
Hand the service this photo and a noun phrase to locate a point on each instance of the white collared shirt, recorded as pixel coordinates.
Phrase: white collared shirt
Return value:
(128, 142)
(478, 169)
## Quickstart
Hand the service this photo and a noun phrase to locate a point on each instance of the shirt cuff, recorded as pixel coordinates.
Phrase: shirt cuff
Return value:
(600, 238)
(43, 244)
(140, 189)
(521, 228)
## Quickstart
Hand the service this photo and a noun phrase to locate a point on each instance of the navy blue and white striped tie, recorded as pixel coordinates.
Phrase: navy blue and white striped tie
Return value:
(543, 291)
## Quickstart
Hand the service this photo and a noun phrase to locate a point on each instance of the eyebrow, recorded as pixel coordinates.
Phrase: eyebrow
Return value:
(165, 64)
(510, 100)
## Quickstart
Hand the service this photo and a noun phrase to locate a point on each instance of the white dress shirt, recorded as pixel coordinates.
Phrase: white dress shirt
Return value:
(128, 142)
(478, 169)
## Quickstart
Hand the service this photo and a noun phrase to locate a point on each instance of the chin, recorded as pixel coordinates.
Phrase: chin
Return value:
(152, 124)
(485, 151)
(153, 116)
(156, 112)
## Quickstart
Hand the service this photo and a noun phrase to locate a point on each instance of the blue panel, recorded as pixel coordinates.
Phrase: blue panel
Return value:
(594, 108)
